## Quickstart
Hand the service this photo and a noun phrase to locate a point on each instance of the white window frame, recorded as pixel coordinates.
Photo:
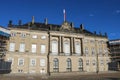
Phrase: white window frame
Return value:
(34, 36)
(31, 62)
(19, 59)
(33, 48)
(54, 47)
(12, 46)
(66, 45)
(42, 62)
(43, 37)
(77, 48)
(43, 48)
(22, 47)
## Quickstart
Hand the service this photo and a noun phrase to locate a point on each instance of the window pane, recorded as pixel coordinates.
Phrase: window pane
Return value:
(12, 47)
(34, 36)
(22, 47)
(33, 48)
(42, 62)
(21, 62)
(43, 48)
(54, 47)
(67, 48)
(77, 47)
(33, 62)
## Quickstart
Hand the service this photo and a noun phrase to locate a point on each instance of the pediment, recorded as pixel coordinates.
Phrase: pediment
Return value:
(66, 27)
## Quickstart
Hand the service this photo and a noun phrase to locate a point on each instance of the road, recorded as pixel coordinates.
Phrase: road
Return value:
(91, 76)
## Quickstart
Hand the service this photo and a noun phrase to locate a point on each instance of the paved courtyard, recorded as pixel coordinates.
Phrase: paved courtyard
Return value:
(85, 76)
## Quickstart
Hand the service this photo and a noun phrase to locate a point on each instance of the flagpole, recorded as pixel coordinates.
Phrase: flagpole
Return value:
(64, 15)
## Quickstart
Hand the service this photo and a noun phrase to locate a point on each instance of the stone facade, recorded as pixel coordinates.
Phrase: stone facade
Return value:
(48, 48)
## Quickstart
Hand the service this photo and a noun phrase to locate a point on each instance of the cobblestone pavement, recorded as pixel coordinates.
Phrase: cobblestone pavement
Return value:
(91, 76)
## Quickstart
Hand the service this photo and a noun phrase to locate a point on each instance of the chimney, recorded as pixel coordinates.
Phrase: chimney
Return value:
(10, 23)
(106, 34)
(100, 33)
(72, 24)
(19, 22)
(82, 27)
(95, 32)
(46, 21)
(33, 20)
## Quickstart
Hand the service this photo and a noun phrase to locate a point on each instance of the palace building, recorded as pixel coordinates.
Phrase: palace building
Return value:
(5, 66)
(44, 48)
(114, 46)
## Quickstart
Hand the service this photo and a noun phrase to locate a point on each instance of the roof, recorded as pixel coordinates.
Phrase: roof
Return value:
(4, 32)
(65, 27)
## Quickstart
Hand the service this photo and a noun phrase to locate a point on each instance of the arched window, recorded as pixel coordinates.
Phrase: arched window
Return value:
(67, 47)
(55, 65)
(69, 65)
(77, 48)
(80, 65)
(54, 47)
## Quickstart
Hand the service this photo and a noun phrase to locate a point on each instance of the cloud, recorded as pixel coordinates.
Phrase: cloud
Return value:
(118, 11)
(91, 15)
(115, 34)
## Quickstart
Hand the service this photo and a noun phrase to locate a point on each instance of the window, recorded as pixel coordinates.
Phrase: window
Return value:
(20, 61)
(22, 47)
(93, 51)
(43, 48)
(34, 36)
(69, 65)
(32, 62)
(86, 41)
(94, 62)
(107, 61)
(100, 51)
(20, 70)
(12, 47)
(43, 37)
(42, 62)
(86, 51)
(67, 47)
(55, 65)
(13, 34)
(101, 62)
(54, 47)
(11, 60)
(80, 65)
(77, 48)
(87, 62)
(33, 48)
(23, 35)
(92, 41)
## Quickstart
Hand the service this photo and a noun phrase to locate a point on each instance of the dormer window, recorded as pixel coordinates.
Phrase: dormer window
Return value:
(23, 35)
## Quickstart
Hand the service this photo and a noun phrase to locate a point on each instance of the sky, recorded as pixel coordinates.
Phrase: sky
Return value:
(96, 15)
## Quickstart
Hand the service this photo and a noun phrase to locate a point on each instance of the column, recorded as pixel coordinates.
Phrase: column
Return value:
(71, 45)
(62, 44)
(59, 46)
(50, 51)
(82, 47)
